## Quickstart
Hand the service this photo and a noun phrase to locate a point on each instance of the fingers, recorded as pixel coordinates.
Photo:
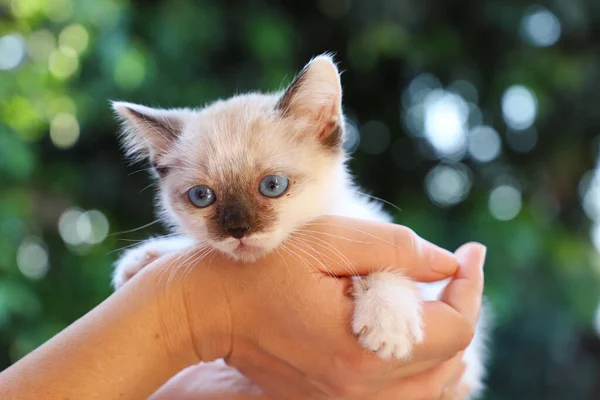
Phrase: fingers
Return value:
(450, 323)
(446, 333)
(440, 381)
(368, 246)
(465, 290)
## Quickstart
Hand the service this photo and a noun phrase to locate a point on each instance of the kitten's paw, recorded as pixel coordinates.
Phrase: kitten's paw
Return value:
(387, 315)
(132, 261)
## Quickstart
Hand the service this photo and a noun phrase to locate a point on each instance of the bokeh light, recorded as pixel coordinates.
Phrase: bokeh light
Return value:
(589, 191)
(64, 130)
(352, 136)
(40, 45)
(59, 104)
(130, 69)
(67, 226)
(505, 202)
(484, 143)
(448, 185)
(74, 36)
(12, 51)
(418, 89)
(32, 258)
(78, 227)
(59, 10)
(465, 89)
(597, 320)
(96, 228)
(26, 8)
(519, 107)
(442, 117)
(540, 27)
(63, 62)
(445, 127)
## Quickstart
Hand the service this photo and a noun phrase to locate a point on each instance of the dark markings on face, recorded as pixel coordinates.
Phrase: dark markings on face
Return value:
(239, 211)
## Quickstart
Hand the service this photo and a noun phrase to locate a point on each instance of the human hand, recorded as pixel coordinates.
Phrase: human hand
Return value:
(218, 381)
(306, 350)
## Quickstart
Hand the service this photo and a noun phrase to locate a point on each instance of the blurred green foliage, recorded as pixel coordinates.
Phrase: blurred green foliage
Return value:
(62, 60)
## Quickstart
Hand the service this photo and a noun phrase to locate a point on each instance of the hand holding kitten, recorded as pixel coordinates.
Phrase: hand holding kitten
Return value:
(288, 328)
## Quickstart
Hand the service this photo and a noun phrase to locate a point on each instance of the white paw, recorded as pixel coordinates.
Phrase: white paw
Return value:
(133, 260)
(387, 314)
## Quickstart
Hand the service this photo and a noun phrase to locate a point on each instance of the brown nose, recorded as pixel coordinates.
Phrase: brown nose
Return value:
(238, 233)
(234, 220)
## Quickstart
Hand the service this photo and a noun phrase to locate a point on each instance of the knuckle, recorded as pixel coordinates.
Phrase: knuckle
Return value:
(468, 332)
(407, 240)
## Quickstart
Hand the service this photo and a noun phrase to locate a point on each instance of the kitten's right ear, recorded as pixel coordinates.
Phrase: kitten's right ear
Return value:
(316, 94)
(148, 132)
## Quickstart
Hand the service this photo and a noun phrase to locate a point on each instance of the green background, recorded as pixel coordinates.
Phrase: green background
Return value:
(59, 149)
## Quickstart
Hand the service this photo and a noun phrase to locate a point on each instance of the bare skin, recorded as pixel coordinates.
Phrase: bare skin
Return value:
(441, 380)
(283, 325)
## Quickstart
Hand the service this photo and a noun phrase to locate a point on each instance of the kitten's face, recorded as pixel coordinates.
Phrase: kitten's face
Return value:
(244, 173)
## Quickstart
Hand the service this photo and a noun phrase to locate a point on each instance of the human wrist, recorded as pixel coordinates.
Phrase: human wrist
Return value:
(193, 309)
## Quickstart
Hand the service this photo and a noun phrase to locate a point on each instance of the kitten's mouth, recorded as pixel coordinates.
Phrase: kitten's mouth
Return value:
(246, 247)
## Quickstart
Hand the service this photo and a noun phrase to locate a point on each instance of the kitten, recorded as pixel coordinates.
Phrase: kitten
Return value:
(241, 174)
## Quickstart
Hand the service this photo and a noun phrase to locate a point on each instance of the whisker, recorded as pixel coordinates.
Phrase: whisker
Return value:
(357, 230)
(304, 262)
(348, 267)
(136, 229)
(298, 247)
(192, 262)
(378, 199)
(283, 259)
(149, 186)
(122, 248)
(332, 235)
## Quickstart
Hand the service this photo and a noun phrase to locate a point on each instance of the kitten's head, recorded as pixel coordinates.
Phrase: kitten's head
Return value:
(241, 174)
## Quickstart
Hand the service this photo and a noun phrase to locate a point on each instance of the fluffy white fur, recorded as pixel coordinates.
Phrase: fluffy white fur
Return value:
(248, 136)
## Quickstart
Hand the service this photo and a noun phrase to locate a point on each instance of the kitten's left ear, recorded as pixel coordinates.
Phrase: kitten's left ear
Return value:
(148, 132)
(316, 93)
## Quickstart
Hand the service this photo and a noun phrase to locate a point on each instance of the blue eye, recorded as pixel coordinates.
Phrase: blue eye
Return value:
(273, 185)
(201, 196)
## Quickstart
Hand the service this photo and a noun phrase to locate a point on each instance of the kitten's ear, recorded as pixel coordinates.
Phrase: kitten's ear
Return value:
(148, 132)
(316, 93)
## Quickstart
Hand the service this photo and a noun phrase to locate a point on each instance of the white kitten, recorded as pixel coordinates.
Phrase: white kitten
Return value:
(241, 174)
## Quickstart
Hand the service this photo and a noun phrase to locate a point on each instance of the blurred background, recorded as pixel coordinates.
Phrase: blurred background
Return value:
(479, 119)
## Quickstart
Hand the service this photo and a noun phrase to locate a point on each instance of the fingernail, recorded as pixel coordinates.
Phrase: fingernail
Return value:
(472, 249)
(448, 267)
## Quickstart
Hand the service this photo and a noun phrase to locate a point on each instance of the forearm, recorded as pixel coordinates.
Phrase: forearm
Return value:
(125, 348)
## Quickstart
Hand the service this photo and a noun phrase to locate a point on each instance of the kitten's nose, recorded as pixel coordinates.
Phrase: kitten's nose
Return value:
(238, 232)
(234, 220)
